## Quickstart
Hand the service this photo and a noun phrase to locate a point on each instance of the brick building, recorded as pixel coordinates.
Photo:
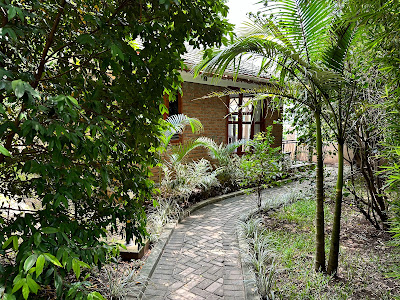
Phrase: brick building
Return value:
(221, 120)
(220, 116)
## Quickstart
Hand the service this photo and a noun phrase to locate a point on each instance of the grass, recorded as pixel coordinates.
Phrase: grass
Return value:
(291, 237)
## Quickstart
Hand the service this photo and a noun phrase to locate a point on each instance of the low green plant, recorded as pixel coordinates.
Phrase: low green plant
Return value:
(260, 256)
(181, 180)
(118, 283)
(164, 212)
(261, 164)
(227, 160)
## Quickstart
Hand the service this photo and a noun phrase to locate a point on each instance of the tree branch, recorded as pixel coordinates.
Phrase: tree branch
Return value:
(49, 42)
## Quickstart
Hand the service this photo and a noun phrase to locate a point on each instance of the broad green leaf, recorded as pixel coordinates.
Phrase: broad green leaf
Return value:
(9, 31)
(88, 188)
(96, 295)
(4, 151)
(12, 11)
(8, 242)
(15, 243)
(85, 39)
(37, 238)
(18, 87)
(33, 286)
(29, 262)
(116, 51)
(73, 100)
(25, 290)
(83, 264)
(9, 297)
(39, 265)
(58, 284)
(18, 284)
(76, 267)
(50, 230)
(51, 258)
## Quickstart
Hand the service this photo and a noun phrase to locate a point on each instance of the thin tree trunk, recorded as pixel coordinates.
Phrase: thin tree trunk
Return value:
(334, 251)
(319, 218)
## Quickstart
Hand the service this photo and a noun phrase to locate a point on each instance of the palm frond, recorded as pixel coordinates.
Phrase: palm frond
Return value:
(179, 152)
(176, 125)
(341, 38)
(304, 23)
(222, 153)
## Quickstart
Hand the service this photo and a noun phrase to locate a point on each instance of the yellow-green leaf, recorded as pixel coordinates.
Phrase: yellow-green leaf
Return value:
(51, 258)
(39, 265)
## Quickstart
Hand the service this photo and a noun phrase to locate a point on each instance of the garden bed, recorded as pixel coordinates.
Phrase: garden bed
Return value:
(366, 258)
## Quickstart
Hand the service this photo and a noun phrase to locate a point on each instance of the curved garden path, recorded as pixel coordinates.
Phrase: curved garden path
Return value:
(201, 260)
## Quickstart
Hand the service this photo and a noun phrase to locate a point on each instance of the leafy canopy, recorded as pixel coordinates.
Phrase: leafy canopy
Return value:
(79, 115)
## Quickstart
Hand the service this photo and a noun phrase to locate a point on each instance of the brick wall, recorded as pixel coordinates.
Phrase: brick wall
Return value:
(211, 113)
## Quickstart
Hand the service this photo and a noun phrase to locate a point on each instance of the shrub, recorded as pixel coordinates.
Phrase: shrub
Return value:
(261, 164)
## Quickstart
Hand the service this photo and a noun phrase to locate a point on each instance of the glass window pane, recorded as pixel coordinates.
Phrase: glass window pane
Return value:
(246, 131)
(233, 132)
(246, 118)
(257, 112)
(233, 118)
(248, 107)
(233, 104)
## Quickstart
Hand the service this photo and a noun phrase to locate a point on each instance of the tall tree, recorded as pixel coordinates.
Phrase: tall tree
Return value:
(79, 114)
(296, 39)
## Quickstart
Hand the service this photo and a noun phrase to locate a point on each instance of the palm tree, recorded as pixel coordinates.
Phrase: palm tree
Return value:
(297, 40)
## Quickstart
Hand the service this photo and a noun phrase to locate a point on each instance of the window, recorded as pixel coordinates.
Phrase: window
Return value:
(246, 122)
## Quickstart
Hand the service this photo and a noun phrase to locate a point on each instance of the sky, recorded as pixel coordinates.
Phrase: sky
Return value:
(239, 8)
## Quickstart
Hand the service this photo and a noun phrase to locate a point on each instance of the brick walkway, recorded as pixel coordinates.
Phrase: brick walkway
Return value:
(201, 259)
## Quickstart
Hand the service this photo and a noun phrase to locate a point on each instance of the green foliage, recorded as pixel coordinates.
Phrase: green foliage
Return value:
(182, 180)
(80, 114)
(227, 160)
(261, 164)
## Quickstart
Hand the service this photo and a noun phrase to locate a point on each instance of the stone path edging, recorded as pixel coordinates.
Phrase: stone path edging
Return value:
(250, 289)
(151, 261)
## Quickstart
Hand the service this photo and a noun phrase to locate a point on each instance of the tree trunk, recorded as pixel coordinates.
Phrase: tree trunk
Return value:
(319, 218)
(334, 251)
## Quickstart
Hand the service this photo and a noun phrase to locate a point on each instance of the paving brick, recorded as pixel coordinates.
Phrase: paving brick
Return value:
(213, 287)
(228, 294)
(205, 283)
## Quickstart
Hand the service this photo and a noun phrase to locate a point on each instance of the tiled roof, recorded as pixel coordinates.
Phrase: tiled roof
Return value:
(248, 69)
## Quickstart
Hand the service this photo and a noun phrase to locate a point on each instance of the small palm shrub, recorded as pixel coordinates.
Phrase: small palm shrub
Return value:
(226, 159)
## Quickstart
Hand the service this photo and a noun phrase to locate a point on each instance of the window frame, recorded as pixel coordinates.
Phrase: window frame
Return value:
(240, 122)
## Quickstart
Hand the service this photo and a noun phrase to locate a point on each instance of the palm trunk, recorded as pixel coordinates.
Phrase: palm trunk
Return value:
(319, 218)
(334, 251)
